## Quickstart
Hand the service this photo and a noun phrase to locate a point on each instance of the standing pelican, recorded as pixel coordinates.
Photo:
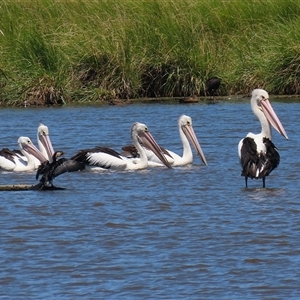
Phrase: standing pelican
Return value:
(258, 155)
(187, 136)
(12, 161)
(105, 158)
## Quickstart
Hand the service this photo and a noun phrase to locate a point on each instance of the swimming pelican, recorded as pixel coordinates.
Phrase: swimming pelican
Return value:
(106, 158)
(258, 155)
(44, 144)
(12, 161)
(187, 136)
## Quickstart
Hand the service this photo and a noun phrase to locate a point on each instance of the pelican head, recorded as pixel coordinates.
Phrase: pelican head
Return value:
(26, 144)
(185, 123)
(141, 133)
(260, 101)
(44, 140)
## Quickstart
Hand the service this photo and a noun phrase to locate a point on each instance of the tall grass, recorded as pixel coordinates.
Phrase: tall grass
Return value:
(60, 51)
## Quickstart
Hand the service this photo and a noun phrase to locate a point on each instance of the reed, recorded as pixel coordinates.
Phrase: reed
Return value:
(55, 52)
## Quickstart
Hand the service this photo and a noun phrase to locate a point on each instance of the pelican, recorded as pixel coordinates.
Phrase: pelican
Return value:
(44, 144)
(12, 161)
(258, 155)
(106, 158)
(187, 136)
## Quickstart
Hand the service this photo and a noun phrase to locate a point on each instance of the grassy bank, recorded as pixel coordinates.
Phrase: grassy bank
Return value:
(61, 51)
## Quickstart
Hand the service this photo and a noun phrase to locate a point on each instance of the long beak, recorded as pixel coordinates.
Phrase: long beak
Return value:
(31, 149)
(45, 140)
(272, 117)
(149, 142)
(190, 134)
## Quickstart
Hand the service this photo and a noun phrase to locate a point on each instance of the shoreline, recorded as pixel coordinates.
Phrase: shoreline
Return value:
(149, 100)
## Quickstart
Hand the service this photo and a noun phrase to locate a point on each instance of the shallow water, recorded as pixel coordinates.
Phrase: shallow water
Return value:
(187, 233)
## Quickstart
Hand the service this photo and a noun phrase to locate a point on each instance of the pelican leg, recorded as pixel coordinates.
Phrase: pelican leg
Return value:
(264, 182)
(246, 181)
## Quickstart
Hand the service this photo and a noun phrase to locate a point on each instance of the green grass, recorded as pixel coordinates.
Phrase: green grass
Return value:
(55, 51)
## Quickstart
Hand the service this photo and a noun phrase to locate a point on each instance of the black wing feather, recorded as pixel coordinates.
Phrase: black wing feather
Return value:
(130, 151)
(272, 157)
(8, 154)
(82, 155)
(56, 168)
(249, 157)
(251, 160)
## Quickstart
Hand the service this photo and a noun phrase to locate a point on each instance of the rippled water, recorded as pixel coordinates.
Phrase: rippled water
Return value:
(186, 233)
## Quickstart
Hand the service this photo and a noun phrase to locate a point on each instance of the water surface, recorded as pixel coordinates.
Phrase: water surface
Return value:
(191, 232)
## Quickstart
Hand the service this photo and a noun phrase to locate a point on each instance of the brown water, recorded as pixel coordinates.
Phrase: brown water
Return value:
(186, 233)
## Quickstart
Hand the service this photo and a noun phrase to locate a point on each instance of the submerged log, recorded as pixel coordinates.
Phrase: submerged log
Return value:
(16, 187)
(28, 187)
